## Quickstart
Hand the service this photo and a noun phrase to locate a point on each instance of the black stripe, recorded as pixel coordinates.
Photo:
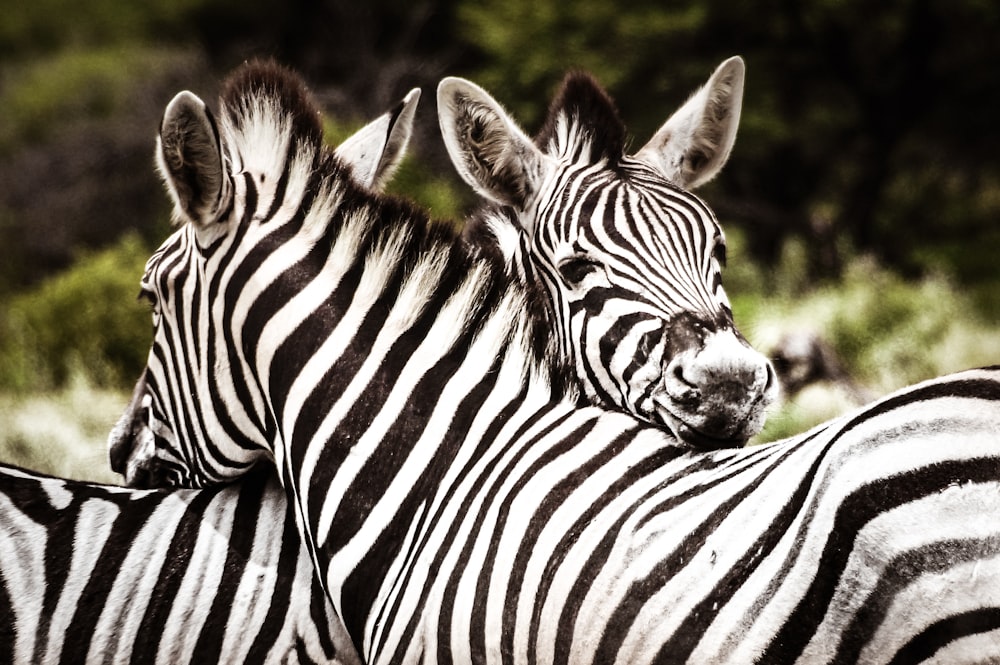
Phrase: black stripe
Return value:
(245, 521)
(466, 413)
(640, 591)
(175, 566)
(445, 543)
(281, 600)
(900, 572)
(854, 513)
(546, 505)
(81, 627)
(477, 630)
(380, 469)
(279, 190)
(923, 646)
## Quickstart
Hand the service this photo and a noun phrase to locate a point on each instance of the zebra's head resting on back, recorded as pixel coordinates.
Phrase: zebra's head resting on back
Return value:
(228, 180)
(625, 261)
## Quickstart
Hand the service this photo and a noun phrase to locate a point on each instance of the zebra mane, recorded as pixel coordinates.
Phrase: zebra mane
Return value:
(270, 123)
(270, 120)
(583, 122)
(263, 93)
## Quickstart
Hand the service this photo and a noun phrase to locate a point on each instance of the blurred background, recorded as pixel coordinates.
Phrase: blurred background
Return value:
(862, 201)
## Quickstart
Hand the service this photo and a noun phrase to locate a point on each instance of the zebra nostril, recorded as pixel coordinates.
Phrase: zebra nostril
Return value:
(681, 388)
(679, 375)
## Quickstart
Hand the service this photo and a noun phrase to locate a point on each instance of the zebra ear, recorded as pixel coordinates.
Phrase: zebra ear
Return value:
(376, 150)
(189, 157)
(694, 144)
(488, 149)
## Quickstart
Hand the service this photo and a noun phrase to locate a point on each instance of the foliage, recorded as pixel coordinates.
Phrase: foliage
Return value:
(42, 26)
(437, 193)
(73, 84)
(85, 322)
(888, 332)
(873, 125)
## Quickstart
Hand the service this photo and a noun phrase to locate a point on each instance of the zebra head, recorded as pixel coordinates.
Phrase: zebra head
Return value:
(198, 398)
(627, 262)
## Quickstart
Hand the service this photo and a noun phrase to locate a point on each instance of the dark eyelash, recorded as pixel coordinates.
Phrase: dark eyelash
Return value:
(720, 253)
(147, 297)
(574, 270)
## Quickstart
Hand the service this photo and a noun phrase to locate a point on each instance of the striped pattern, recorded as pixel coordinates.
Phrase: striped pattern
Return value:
(625, 263)
(103, 574)
(461, 507)
(586, 539)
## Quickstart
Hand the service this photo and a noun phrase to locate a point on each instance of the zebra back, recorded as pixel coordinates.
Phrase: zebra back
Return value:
(97, 573)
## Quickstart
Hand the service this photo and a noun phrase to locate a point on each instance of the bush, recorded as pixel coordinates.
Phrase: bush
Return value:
(84, 322)
(887, 332)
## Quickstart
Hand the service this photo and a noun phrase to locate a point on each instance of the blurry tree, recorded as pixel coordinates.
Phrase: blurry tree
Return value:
(866, 127)
(85, 322)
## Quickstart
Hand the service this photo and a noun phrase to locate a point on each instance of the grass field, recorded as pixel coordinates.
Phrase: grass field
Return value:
(63, 433)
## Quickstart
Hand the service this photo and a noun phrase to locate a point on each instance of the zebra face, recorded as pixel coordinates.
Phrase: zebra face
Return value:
(199, 414)
(627, 261)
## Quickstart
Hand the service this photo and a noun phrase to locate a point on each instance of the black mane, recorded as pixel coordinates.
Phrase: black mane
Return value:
(585, 103)
(259, 79)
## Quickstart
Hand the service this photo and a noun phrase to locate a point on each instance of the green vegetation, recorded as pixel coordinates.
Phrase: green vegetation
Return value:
(85, 323)
(70, 84)
(61, 432)
(888, 332)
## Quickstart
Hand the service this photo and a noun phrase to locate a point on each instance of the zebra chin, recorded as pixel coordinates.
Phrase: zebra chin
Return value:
(696, 438)
(132, 453)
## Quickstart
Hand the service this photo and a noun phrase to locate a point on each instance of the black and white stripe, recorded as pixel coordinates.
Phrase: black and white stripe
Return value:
(627, 262)
(102, 574)
(460, 505)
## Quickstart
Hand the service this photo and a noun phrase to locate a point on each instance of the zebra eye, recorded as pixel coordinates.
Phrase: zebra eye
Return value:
(150, 298)
(719, 253)
(576, 268)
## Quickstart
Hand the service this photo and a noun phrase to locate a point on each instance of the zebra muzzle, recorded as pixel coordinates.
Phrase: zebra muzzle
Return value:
(717, 396)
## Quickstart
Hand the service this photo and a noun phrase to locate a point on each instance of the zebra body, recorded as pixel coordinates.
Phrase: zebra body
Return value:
(103, 574)
(461, 506)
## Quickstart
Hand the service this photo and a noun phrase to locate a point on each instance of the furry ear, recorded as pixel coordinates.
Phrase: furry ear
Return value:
(189, 157)
(488, 149)
(376, 150)
(694, 144)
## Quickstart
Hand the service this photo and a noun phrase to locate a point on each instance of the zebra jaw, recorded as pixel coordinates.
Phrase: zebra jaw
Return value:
(132, 444)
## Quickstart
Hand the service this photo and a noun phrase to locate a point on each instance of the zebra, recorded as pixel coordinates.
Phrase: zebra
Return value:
(97, 573)
(104, 574)
(461, 505)
(629, 268)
